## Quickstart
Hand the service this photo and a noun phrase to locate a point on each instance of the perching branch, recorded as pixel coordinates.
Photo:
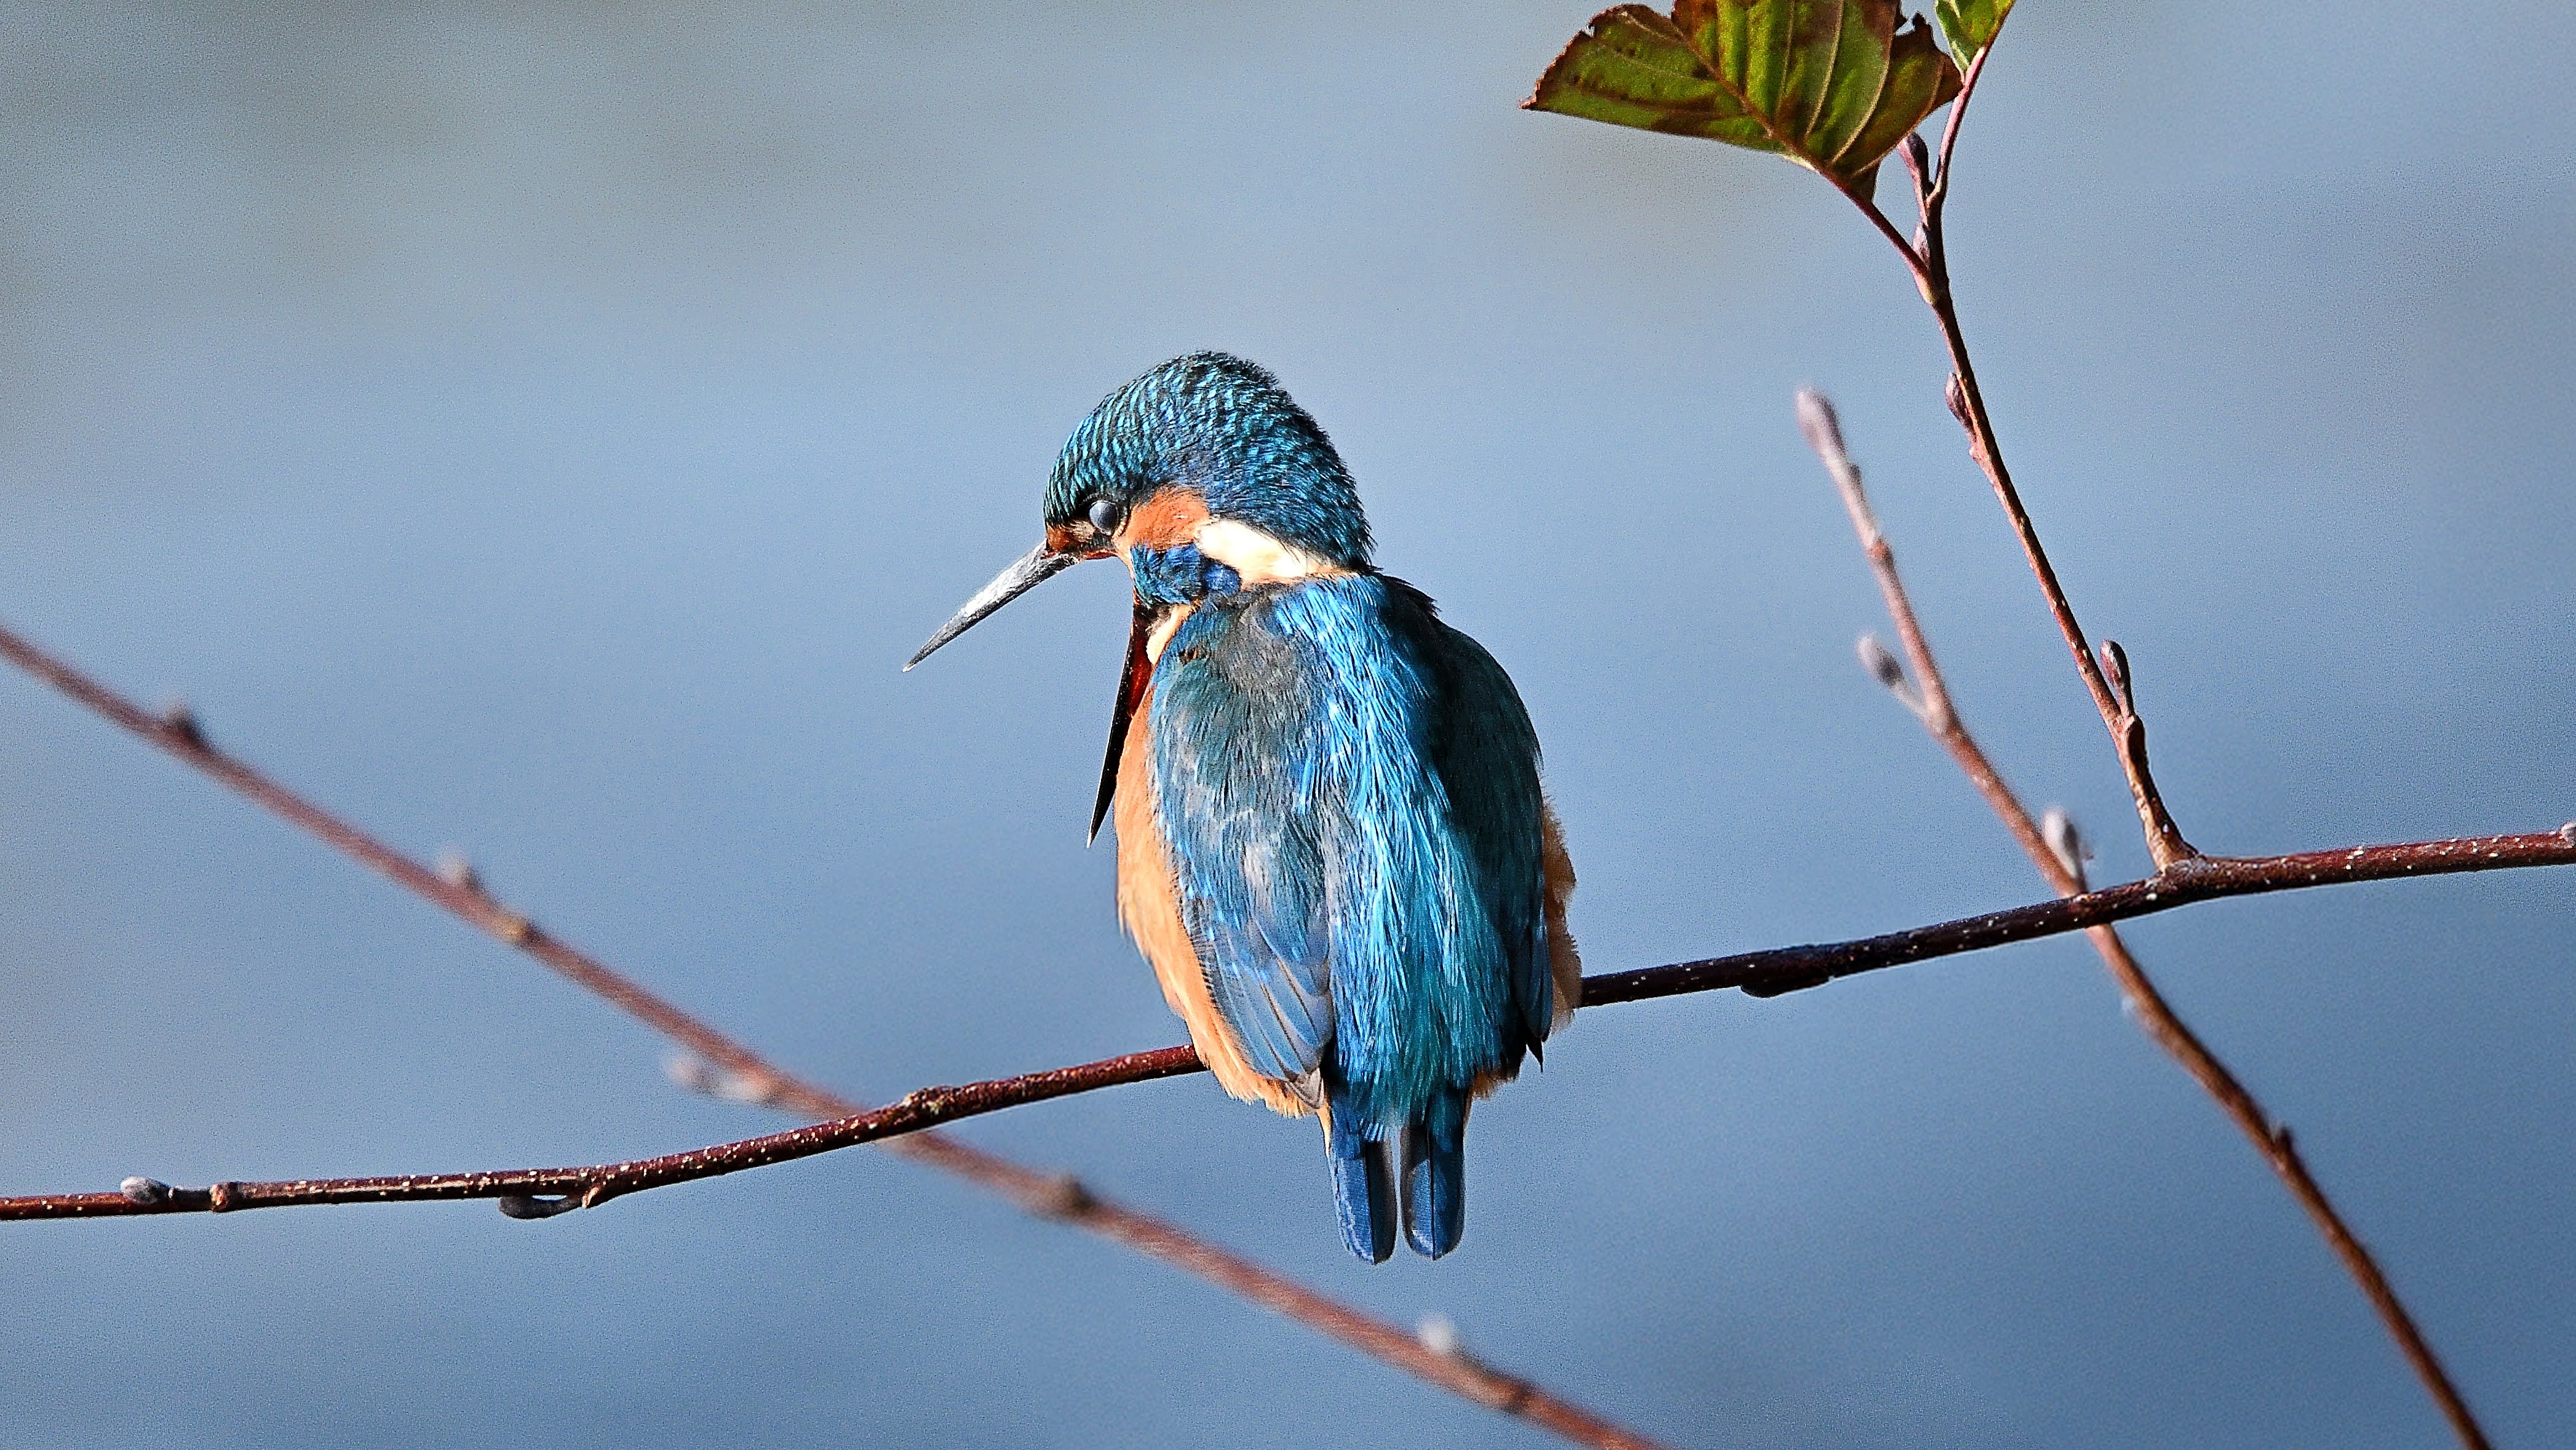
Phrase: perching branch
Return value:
(1762, 974)
(741, 1074)
(2060, 859)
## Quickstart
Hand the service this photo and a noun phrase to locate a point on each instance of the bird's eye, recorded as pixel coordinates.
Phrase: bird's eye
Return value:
(1105, 515)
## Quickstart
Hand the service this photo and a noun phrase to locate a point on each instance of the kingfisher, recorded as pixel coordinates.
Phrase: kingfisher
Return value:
(1333, 845)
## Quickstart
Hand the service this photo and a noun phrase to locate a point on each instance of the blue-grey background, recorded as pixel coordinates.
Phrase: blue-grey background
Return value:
(541, 431)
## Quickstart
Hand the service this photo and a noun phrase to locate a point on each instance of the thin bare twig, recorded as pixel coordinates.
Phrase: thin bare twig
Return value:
(1762, 974)
(1927, 258)
(1937, 193)
(2061, 863)
(749, 1077)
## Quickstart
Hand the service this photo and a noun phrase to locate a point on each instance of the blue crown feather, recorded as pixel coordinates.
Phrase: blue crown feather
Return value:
(1224, 428)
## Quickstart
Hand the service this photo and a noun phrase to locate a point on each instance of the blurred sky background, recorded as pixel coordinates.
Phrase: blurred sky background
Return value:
(543, 430)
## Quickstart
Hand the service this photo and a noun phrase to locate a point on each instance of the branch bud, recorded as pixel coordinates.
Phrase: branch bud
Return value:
(2066, 842)
(707, 1080)
(523, 1206)
(2115, 669)
(457, 871)
(1888, 670)
(1882, 666)
(144, 1191)
(1824, 430)
(180, 723)
(1065, 1196)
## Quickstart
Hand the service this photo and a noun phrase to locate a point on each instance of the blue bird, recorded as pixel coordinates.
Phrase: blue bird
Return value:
(1333, 847)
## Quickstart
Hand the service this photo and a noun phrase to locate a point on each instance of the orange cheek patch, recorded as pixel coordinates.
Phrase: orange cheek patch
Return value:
(1060, 539)
(1168, 520)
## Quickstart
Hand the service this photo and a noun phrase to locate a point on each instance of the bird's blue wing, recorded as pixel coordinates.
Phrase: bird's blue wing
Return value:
(1487, 757)
(1231, 767)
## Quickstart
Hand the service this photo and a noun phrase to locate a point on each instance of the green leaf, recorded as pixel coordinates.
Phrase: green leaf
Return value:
(1971, 25)
(1833, 85)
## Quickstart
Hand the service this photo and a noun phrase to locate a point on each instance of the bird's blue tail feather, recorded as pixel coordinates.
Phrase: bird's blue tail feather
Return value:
(1435, 1174)
(1363, 1193)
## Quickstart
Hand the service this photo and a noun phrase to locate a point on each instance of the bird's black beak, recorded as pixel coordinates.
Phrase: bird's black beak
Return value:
(1032, 569)
(1038, 565)
(1133, 678)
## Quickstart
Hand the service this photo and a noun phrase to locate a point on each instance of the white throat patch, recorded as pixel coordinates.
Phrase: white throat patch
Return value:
(1259, 557)
(1163, 630)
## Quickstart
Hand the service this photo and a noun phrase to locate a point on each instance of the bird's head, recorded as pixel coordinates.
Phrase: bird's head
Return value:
(1205, 475)
(1206, 451)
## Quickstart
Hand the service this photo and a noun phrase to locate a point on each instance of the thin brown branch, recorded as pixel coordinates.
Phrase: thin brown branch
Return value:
(1934, 190)
(541, 1192)
(2165, 841)
(1763, 974)
(1927, 258)
(2063, 869)
(750, 1077)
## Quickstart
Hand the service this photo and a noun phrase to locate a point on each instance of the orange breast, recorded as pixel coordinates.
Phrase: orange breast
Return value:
(1564, 959)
